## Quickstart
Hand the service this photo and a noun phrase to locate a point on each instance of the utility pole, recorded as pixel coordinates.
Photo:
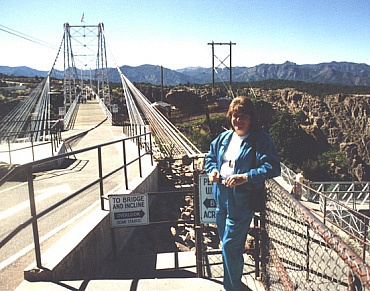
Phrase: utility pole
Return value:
(162, 83)
(221, 62)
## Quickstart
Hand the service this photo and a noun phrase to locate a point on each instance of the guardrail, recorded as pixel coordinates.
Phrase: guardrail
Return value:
(15, 141)
(103, 177)
(342, 205)
(353, 194)
(351, 225)
(298, 248)
(105, 109)
(70, 117)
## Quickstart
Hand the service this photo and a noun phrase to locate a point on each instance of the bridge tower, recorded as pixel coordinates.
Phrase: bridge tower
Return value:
(70, 70)
(85, 62)
(221, 62)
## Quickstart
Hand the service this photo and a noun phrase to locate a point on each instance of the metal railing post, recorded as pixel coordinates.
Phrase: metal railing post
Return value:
(257, 246)
(35, 229)
(53, 143)
(366, 223)
(308, 252)
(198, 228)
(324, 210)
(33, 151)
(100, 166)
(264, 243)
(151, 148)
(138, 143)
(125, 163)
(10, 153)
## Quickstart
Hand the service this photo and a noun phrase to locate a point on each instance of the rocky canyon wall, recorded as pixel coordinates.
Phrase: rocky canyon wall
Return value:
(343, 121)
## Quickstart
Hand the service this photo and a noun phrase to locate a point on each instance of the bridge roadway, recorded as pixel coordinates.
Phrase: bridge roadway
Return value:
(91, 118)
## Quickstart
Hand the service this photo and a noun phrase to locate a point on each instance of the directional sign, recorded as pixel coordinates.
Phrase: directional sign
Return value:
(207, 202)
(115, 108)
(128, 210)
(62, 111)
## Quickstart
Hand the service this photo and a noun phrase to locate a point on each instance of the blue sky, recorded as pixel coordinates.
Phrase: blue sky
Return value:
(175, 33)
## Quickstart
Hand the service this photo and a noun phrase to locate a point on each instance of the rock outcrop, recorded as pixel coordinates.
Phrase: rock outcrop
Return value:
(342, 121)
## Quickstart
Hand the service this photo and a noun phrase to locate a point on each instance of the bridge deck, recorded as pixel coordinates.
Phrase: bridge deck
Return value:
(90, 116)
(91, 119)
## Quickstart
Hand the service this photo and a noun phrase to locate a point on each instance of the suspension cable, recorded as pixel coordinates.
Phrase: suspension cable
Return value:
(26, 37)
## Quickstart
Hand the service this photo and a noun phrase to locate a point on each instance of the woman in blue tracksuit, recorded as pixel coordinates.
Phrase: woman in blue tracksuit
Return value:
(229, 166)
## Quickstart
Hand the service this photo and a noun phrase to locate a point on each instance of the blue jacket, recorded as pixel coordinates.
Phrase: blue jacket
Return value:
(267, 159)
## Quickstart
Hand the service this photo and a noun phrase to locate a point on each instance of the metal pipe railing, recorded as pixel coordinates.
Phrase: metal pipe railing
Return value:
(55, 140)
(28, 168)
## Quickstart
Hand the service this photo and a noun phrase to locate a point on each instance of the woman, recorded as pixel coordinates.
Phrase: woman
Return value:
(229, 165)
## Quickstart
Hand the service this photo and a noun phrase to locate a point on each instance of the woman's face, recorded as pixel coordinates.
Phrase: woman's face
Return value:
(241, 123)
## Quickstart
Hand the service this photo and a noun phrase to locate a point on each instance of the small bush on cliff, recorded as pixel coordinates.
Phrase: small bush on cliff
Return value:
(328, 166)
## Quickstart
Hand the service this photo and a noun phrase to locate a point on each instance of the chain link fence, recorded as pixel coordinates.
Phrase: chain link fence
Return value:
(299, 252)
(289, 248)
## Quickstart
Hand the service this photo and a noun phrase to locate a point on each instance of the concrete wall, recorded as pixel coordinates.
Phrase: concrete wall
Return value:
(83, 252)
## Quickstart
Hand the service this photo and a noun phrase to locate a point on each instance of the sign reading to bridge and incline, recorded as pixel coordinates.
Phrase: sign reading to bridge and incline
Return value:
(128, 210)
(206, 200)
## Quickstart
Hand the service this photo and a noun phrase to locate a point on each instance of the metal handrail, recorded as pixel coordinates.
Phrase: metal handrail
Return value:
(28, 168)
(55, 141)
(332, 211)
(297, 237)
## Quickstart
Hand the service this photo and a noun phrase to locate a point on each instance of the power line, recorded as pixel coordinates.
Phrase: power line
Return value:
(27, 37)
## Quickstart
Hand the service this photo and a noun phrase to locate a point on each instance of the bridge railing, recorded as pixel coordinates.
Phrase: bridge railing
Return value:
(342, 205)
(23, 117)
(100, 183)
(106, 111)
(354, 194)
(130, 130)
(71, 114)
(24, 143)
(303, 251)
(288, 175)
(350, 224)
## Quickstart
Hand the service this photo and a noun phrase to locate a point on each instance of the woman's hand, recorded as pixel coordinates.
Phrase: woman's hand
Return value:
(236, 180)
(214, 176)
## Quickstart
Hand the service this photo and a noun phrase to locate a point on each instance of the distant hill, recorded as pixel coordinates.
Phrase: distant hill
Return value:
(152, 74)
(344, 73)
(22, 71)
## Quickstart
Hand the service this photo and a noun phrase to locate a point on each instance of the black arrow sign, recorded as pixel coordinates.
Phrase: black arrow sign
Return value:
(130, 214)
(209, 203)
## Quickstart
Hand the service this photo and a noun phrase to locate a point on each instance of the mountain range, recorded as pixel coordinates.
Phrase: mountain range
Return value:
(345, 73)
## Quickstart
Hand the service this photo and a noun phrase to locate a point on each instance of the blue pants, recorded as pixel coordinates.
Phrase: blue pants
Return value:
(233, 218)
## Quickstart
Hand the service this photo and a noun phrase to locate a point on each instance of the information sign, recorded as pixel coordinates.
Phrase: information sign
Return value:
(62, 111)
(129, 210)
(207, 202)
(115, 108)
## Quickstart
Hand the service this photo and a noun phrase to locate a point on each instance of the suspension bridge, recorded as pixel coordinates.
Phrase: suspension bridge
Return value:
(298, 237)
